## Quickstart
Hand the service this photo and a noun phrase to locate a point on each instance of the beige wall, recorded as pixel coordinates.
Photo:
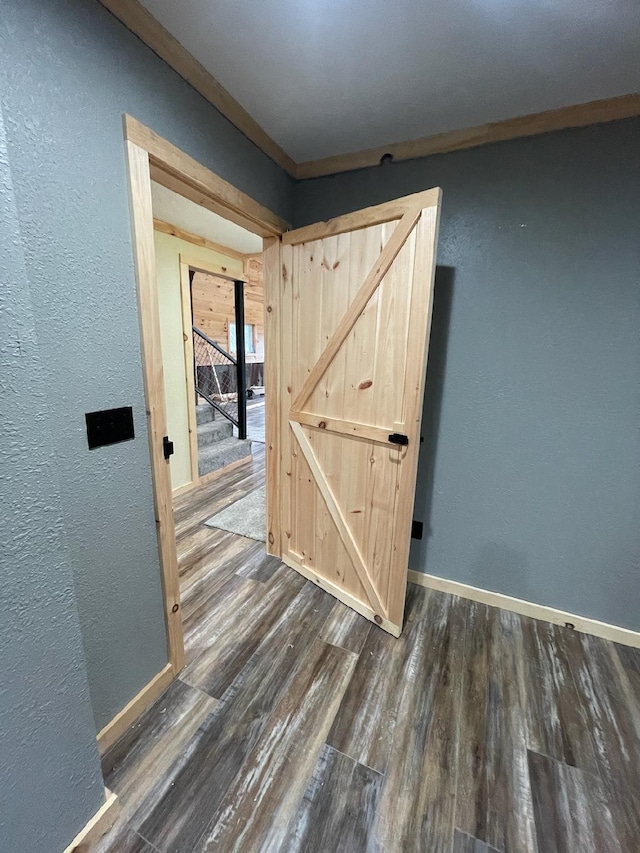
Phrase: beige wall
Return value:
(168, 251)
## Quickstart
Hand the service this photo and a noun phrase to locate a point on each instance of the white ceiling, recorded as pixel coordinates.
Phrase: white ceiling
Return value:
(185, 214)
(328, 77)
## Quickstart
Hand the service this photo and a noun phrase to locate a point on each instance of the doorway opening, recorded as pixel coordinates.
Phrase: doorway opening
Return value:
(210, 285)
(212, 326)
(230, 363)
(347, 316)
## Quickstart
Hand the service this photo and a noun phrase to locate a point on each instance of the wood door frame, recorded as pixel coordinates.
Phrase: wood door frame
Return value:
(150, 157)
(188, 263)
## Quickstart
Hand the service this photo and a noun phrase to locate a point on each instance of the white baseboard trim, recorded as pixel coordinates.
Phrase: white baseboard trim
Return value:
(527, 608)
(99, 825)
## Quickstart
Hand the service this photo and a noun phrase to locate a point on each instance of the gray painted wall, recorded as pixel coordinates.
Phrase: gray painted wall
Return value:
(529, 479)
(50, 780)
(68, 70)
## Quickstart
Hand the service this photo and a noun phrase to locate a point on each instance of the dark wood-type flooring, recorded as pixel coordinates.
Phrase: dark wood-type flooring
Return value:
(299, 726)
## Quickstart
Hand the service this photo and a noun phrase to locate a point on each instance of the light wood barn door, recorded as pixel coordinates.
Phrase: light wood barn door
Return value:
(355, 298)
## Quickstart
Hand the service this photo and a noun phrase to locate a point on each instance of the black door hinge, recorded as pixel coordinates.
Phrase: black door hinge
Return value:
(167, 447)
(398, 438)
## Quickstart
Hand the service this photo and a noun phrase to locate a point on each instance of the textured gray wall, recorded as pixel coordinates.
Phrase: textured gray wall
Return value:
(50, 780)
(67, 73)
(529, 479)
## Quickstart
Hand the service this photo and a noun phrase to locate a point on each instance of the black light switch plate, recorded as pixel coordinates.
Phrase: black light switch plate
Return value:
(416, 529)
(109, 426)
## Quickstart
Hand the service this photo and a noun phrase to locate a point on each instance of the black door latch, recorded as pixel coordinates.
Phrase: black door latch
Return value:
(398, 438)
(167, 447)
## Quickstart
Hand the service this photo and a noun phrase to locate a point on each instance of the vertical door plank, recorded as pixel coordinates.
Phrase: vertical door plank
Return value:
(308, 310)
(359, 457)
(273, 308)
(418, 341)
(390, 369)
(285, 392)
(360, 344)
(335, 300)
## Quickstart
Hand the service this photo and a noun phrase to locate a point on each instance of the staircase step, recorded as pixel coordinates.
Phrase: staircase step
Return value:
(214, 431)
(217, 455)
(205, 413)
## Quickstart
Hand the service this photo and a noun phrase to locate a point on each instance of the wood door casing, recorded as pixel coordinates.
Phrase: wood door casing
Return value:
(355, 298)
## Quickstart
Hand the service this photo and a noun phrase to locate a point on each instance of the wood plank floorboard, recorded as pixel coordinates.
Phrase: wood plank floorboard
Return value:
(125, 840)
(345, 628)
(298, 726)
(273, 616)
(363, 727)
(193, 799)
(417, 801)
(571, 811)
(155, 742)
(338, 809)
(556, 721)
(614, 718)
(494, 801)
(258, 565)
(630, 661)
(265, 796)
(463, 843)
(200, 583)
(225, 606)
(196, 550)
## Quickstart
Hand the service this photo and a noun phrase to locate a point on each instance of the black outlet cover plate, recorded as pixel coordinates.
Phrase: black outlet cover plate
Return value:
(109, 426)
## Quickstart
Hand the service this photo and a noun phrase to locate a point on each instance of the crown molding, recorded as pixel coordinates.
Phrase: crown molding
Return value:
(579, 115)
(141, 22)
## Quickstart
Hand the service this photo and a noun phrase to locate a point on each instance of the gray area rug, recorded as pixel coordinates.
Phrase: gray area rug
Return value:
(246, 517)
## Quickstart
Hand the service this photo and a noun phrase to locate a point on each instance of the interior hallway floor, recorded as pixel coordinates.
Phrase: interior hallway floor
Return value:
(255, 419)
(299, 726)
